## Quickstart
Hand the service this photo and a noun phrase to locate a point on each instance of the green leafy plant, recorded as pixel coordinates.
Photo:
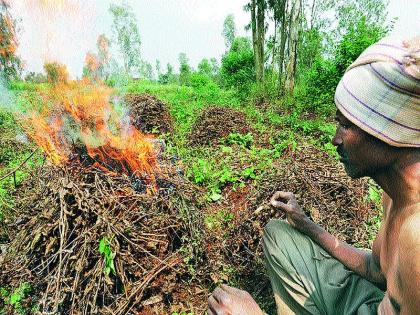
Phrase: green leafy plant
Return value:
(106, 251)
(243, 140)
(15, 297)
(249, 172)
(200, 171)
(218, 220)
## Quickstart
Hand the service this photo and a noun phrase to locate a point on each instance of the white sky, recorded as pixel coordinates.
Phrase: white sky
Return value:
(66, 30)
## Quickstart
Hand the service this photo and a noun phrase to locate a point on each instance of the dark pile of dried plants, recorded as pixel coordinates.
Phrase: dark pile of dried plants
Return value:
(215, 123)
(64, 214)
(149, 114)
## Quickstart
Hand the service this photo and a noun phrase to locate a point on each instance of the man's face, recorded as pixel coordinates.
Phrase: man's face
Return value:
(361, 153)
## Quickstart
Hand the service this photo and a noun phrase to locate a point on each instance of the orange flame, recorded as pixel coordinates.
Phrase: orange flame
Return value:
(81, 112)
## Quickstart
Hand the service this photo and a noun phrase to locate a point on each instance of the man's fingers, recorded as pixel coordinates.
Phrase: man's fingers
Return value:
(230, 290)
(280, 205)
(214, 308)
(221, 296)
(283, 194)
(281, 199)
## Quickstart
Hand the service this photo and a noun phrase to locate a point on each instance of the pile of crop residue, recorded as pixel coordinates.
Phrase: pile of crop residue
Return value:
(89, 243)
(215, 123)
(323, 190)
(149, 114)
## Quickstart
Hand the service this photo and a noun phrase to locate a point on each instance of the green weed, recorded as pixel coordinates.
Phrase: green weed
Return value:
(218, 220)
(106, 251)
(243, 140)
(16, 297)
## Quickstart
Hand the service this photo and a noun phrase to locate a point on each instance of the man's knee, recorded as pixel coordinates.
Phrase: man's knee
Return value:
(278, 233)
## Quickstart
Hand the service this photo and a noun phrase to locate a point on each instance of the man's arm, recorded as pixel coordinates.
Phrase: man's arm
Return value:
(360, 261)
(409, 265)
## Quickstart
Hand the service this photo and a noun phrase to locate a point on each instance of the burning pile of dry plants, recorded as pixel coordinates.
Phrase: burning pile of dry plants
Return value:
(149, 114)
(215, 123)
(91, 244)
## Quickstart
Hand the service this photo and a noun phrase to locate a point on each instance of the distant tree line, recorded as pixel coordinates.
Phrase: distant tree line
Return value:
(308, 48)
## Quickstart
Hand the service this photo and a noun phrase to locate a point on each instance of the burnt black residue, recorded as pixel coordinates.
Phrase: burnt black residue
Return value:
(165, 186)
(138, 184)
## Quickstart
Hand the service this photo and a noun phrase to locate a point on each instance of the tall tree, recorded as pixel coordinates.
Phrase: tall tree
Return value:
(157, 67)
(184, 69)
(257, 9)
(229, 30)
(279, 9)
(56, 73)
(294, 29)
(127, 37)
(204, 67)
(103, 45)
(10, 63)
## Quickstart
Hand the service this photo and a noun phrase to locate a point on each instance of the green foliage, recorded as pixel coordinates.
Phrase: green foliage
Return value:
(12, 154)
(317, 86)
(106, 251)
(15, 298)
(218, 220)
(184, 70)
(33, 77)
(238, 69)
(229, 31)
(357, 38)
(10, 63)
(205, 68)
(240, 139)
(127, 36)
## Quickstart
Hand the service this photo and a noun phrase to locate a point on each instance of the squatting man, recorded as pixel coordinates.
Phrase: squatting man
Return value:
(378, 135)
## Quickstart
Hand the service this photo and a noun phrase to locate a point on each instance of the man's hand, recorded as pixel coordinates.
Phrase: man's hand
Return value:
(286, 202)
(226, 300)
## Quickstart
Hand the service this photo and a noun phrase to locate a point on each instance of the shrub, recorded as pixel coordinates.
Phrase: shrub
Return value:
(56, 73)
(238, 65)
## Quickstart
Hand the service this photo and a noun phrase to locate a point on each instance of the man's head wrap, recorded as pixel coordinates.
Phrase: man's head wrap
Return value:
(380, 92)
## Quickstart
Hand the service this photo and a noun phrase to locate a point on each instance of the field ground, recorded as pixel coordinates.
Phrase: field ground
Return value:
(227, 156)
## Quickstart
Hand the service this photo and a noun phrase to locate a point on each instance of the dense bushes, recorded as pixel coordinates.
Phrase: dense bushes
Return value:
(317, 85)
(238, 65)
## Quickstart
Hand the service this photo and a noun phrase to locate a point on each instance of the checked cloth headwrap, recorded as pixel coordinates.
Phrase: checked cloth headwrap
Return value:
(380, 92)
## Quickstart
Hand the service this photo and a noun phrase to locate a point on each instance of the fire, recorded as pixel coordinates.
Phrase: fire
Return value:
(83, 114)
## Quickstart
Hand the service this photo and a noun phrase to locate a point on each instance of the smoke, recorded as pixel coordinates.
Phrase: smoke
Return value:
(56, 30)
(7, 99)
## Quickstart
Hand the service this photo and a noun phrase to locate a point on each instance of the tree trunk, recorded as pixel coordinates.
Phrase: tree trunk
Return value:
(274, 49)
(295, 15)
(254, 34)
(283, 32)
(258, 34)
(261, 37)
